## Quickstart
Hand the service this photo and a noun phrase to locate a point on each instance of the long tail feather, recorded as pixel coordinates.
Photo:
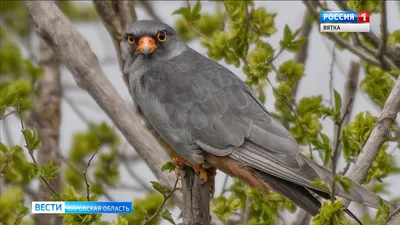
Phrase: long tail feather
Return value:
(298, 194)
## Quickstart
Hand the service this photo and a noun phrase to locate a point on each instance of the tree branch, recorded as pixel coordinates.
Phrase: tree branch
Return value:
(379, 135)
(393, 215)
(30, 151)
(156, 213)
(340, 40)
(348, 95)
(85, 176)
(392, 52)
(116, 16)
(196, 208)
(384, 32)
(73, 50)
(335, 155)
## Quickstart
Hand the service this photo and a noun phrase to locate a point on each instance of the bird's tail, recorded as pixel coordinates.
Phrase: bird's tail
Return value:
(296, 193)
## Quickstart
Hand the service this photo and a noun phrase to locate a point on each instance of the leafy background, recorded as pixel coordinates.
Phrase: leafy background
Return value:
(85, 129)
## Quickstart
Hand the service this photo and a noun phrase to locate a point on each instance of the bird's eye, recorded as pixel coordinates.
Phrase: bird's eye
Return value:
(131, 39)
(162, 36)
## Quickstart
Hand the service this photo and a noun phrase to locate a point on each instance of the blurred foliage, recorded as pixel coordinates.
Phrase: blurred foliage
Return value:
(358, 5)
(331, 213)
(394, 38)
(377, 84)
(264, 207)
(237, 32)
(354, 137)
(144, 207)
(99, 137)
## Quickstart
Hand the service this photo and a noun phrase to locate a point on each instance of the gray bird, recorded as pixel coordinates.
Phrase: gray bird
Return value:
(206, 113)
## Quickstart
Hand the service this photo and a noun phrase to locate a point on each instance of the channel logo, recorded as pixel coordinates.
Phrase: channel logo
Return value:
(47, 207)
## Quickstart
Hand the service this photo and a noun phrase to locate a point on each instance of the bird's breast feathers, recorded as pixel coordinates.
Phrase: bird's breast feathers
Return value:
(190, 98)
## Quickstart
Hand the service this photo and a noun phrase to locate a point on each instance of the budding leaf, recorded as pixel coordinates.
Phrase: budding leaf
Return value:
(140, 210)
(338, 105)
(166, 215)
(34, 171)
(195, 15)
(49, 171)
(32, 139)
(168, 166)
(158, 187)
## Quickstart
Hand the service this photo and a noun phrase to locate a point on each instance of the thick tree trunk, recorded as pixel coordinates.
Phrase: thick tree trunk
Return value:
(47, 117)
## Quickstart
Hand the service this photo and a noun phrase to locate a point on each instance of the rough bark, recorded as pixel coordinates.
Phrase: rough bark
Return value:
(379, 135)
(196, 207)
(47, 116)
(74, 52)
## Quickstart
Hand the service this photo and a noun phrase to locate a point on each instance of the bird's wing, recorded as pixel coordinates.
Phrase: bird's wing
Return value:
(224, 118)
(227, 119)
(221, 110)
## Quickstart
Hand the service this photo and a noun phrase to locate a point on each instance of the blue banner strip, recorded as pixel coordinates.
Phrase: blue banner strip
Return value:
(98, 207)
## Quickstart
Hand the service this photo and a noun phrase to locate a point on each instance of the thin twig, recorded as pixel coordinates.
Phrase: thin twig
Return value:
(135, 177)
(384, 33)
(8, 160)
(77, 171)
(224, 184)
(85, 176)
(193, 27)
(390, 52)
(246, 213)
(392, 215)
(346, 168)
(337, 144)
(149, 8)
(76, 110)
(275, 57)
(295, 115)
(7, 114)
(164, 201)
(30, 151)
(331, 73)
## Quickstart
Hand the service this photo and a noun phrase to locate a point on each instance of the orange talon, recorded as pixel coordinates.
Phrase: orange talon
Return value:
(204, 173)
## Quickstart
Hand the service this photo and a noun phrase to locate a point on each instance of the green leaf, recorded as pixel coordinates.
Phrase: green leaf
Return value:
(32, 139)
(3, 147)
(34, 171)
(338, 103)
(168, 166)
(331, 213)
(158, 187)
(50, 170)
(166, 215)
(185, 12)
(382, 213)
(296, 33)
(319, 183)
(140, 210)
(195, 15)
(120, 221)
(345, 182)
(287, 35)
(295, 45)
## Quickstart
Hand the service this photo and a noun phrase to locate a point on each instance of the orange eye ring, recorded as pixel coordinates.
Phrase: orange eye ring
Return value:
(131, 39)
(162, 36)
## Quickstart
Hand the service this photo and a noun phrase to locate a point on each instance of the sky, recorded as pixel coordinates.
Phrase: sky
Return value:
(291, 13)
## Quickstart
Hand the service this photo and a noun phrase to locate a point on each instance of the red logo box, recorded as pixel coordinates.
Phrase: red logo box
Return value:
(363, 16)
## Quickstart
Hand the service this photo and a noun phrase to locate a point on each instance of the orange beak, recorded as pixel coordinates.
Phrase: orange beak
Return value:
(147, 45)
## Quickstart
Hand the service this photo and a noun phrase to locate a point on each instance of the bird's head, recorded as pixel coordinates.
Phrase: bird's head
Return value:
(148, 40)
